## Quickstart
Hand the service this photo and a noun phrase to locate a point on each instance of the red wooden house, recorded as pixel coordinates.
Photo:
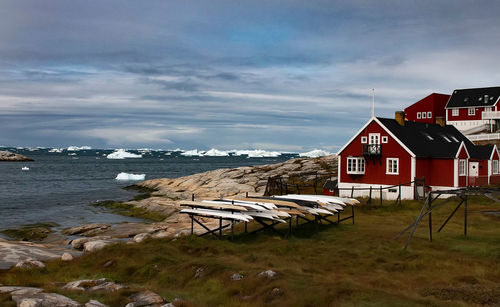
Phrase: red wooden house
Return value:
(474, 108)
(388, 152)
(428, 109)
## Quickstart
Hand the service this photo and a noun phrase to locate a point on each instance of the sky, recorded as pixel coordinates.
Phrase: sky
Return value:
(274, 75)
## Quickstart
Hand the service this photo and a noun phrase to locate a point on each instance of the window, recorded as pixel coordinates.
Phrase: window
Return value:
(454, 112)
(385, 139)
(419, 115)
(461, 167)
(356, 165)
(364, 140)
(429, 114)
(427, 135)
(424, 114)
(487, 109)
(472, 111)
(392, 166)
(495, 167)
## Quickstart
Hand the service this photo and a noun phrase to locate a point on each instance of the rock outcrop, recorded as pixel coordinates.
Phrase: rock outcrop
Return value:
(12, 157)
(237, 181)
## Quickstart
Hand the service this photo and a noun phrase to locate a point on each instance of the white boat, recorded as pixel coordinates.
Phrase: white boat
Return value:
(219, 213)
(228, 202)
(322, 198)
(267, 205)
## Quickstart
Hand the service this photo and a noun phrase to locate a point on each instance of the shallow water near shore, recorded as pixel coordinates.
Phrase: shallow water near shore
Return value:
(60, 187)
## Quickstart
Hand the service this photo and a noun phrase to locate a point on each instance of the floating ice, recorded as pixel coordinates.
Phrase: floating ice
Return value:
(25, 168)
(315, 153)
(58, 150)
(72, 154)
(257, 153)
(216, 153)
(76, 148)
(127, 176)
(122, 154)
(192, 153)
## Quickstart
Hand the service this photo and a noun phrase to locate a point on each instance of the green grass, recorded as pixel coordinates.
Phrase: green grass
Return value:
(30, 232)
(346, 265)
(130, 210)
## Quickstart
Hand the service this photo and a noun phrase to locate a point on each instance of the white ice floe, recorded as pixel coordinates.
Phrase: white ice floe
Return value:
(122, 154)
(127, 176)
(76, 148)
(57, 150)
(216, 153)
(315, 153)
(257, 153)
(25, 168)
(72, 154)
(192, 153)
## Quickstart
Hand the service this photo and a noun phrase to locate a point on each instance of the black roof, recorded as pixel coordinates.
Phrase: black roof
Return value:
(482, 152)
(431, 140)
(331, 184)
(473, 97)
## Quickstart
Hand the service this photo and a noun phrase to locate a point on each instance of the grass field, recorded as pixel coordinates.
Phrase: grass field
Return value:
(346, 265)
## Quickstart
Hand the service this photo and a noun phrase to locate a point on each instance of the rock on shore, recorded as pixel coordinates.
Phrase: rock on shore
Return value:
(12, 157)
(237, 181)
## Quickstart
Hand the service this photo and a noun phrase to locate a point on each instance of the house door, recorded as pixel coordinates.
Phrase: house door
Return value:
(473, 169)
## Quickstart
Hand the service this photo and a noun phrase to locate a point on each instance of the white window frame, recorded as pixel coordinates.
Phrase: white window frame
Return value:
(392, 166)
(494, 166)
(487, 109)
(374, 138)
(424, 115)
(364, 140)
(356, 165)
(429, 114)
(472, 111)
(385, 139)
(455, 112)
(462, 167)
(419, 115)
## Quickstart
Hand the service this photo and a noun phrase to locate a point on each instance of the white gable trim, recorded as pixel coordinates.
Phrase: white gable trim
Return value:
(460, 149)
(385, 129)
(495, 148)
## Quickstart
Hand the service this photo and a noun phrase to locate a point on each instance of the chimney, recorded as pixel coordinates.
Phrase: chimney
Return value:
(400, 117)
(440, 121)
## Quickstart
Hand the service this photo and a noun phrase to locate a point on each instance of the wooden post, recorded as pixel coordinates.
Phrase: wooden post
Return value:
(298, 189)
(400, 195)
(380, 196)
(220, 227)
(370, 197)
(246, 230)
(352, 192)
(232, 230)
(429, 207)
(192, 197)
(246, 195)
(315, 180)
(465, 215)
(352, 208)
(192, 224)
(423, 183)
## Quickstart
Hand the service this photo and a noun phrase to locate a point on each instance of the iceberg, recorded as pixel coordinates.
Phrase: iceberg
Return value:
(122, 154)
(192, 153)
(216, 153)
(76, 148)
(58, 150)
(25, 168)
(315, 153)
(257, 153)
(127, 176)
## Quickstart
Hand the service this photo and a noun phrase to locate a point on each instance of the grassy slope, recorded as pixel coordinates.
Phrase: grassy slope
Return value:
(350, 265)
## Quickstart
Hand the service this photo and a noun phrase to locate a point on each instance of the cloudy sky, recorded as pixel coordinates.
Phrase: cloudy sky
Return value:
(277, 75)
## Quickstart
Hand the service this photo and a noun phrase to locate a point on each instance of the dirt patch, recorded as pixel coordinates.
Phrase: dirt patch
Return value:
(475, 294)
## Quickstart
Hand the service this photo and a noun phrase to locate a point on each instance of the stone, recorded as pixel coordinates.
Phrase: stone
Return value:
(34, 297)
(146, 298)
(91, 285)
(81, 230)
(168, 305)
(12, 157)
(267, 274)
(93, 246)
(276, 292)
(30, 263)
(94, 303)
(160, 234)
(78, 243)
(66, 257)
(141, 237)
(236, 276)
(199, 272)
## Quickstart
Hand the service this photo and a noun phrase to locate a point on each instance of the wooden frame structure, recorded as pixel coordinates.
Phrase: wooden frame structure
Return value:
(430, 205)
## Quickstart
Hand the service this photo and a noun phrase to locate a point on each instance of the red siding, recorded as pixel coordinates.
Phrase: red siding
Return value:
(433, 103)
(328, 192)
(375, 168)
(437, 172)
(463, 114)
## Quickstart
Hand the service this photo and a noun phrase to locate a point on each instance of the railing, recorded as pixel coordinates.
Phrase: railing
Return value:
(372, 149)
(484, 137)
(490, 115)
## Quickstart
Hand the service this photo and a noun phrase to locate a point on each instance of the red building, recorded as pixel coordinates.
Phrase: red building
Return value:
(428, 109)
(474, 108)
(388, 152)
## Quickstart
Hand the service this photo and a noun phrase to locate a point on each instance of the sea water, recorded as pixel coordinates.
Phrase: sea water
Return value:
(61, 187)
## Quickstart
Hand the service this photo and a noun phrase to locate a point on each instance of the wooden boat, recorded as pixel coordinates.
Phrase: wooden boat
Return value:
(221, 206)
(219, 214)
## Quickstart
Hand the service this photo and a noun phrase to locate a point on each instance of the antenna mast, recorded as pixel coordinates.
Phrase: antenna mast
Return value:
(373, 102)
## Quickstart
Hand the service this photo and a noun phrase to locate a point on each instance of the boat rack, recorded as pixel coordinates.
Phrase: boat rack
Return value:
(267, 212)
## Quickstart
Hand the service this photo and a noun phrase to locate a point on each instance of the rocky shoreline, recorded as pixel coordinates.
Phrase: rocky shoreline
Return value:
(164, 200)
(13, 157)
